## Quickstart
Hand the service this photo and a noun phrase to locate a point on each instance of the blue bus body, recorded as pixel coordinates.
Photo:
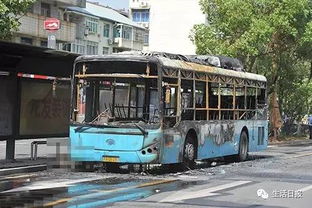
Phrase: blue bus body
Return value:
(130, 145)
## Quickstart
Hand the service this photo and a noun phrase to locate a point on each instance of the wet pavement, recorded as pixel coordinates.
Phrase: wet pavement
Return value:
(80, 190)
(219, 183)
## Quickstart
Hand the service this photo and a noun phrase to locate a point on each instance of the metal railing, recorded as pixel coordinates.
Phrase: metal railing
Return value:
(34, 149)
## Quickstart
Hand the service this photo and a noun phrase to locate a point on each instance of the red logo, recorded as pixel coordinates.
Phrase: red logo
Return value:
(52, 24)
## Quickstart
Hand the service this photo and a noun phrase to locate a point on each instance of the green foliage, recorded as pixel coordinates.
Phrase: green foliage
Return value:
(10, 12)
(271, 37)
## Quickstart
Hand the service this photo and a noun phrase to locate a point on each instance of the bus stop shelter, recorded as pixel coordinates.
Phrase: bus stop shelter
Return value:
(34, 93)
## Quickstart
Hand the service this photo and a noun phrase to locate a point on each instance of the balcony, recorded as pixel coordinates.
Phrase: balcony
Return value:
(32, 25)
(128, 44)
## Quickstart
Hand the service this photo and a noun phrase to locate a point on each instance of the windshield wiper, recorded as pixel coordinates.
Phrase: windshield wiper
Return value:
(141, 129)
(90, 125)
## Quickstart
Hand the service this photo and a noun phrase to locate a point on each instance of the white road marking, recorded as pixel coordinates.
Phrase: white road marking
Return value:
(306, 188)
(51, 184)
(24, 167)
(190, 194)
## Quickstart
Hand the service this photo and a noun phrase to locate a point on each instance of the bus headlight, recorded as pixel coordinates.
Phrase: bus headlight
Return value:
(152, 149)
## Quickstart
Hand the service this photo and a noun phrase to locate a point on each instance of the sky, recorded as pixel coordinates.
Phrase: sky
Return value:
(115, 4)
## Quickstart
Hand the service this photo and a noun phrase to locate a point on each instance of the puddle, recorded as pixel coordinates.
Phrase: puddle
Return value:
(97, 193)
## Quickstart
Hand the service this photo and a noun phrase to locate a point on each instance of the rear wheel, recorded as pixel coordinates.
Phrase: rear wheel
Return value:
(189, 153)
(243, 147)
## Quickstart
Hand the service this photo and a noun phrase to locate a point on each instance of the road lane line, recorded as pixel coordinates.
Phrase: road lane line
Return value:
(191, 194)
(17, 177)
(154, 183)
(39, 185)
(19, 168)
(57, 202)
(306, 188)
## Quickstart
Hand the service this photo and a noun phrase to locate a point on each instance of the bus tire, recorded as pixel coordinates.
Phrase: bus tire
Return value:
(189, 152)
(243, 147)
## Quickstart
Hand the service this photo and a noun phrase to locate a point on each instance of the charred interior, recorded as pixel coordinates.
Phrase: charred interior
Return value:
(207, 96)
(131, 91)
(116, 91)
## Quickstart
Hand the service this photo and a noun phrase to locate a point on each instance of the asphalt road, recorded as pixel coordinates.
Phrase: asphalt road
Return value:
(278, 177)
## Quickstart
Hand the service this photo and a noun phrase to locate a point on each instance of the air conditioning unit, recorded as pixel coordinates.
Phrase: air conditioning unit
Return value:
(110, 41)
(143, 4)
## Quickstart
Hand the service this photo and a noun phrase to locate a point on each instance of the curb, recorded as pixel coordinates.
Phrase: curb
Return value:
(291, 142)
(23, 169)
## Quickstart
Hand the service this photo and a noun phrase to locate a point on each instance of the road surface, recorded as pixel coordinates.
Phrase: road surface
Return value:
(278, 177)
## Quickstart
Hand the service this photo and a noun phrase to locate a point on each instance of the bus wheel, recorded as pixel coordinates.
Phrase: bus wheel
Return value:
(243, 147)
(189, 153)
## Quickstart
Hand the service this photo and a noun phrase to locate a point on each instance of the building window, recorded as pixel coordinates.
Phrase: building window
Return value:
(45, 10)
(140, 16)
(27, 41)
(106, 30)
(117, 32)
(78, 47)
(127, 33)
(105, 50)
(145, 17)
(146, 39)
(136, 16)
(92, 48)
(92, 25)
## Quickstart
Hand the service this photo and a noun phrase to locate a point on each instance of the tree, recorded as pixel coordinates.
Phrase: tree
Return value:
(10, 13)
(262, 33)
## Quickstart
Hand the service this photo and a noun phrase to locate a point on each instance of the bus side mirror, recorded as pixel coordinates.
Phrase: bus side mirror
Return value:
(168, 95)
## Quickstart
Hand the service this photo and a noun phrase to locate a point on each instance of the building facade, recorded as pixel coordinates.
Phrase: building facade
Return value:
(139, 12)
(31, 30)
(171, 22)
(105, 31)
(86, 28)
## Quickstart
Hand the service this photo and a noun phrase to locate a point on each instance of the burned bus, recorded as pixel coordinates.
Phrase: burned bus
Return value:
(156, 108)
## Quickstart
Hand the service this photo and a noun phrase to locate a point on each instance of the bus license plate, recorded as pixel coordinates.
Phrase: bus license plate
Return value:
(110, 159)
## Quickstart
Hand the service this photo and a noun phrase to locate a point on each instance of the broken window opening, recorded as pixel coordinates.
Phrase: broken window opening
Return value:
(187, 99)
(116, 93)
(170, 92)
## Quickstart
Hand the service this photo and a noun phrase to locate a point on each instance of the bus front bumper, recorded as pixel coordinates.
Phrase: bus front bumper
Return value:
(134, 157)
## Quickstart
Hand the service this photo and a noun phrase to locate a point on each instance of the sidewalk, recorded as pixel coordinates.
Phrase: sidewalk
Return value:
(22, 162)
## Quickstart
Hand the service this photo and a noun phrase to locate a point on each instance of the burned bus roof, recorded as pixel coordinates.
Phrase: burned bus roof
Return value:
(172, 63)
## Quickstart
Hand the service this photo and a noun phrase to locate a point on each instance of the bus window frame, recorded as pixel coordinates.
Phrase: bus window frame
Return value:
(236, 83)
(74, 78)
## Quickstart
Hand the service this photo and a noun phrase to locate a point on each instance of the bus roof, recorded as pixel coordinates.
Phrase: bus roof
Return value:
(173, 63)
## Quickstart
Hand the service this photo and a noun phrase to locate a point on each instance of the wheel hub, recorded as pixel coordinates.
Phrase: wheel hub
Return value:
(189, 151)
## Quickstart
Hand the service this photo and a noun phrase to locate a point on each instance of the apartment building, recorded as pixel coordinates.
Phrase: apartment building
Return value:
(104, 31)
(171, 22)
(31, 30)
(139, 12)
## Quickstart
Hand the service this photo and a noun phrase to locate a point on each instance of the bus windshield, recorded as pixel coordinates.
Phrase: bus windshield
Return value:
(116, 99)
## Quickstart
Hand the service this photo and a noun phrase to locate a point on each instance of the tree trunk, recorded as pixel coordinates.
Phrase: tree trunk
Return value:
(275, 115)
